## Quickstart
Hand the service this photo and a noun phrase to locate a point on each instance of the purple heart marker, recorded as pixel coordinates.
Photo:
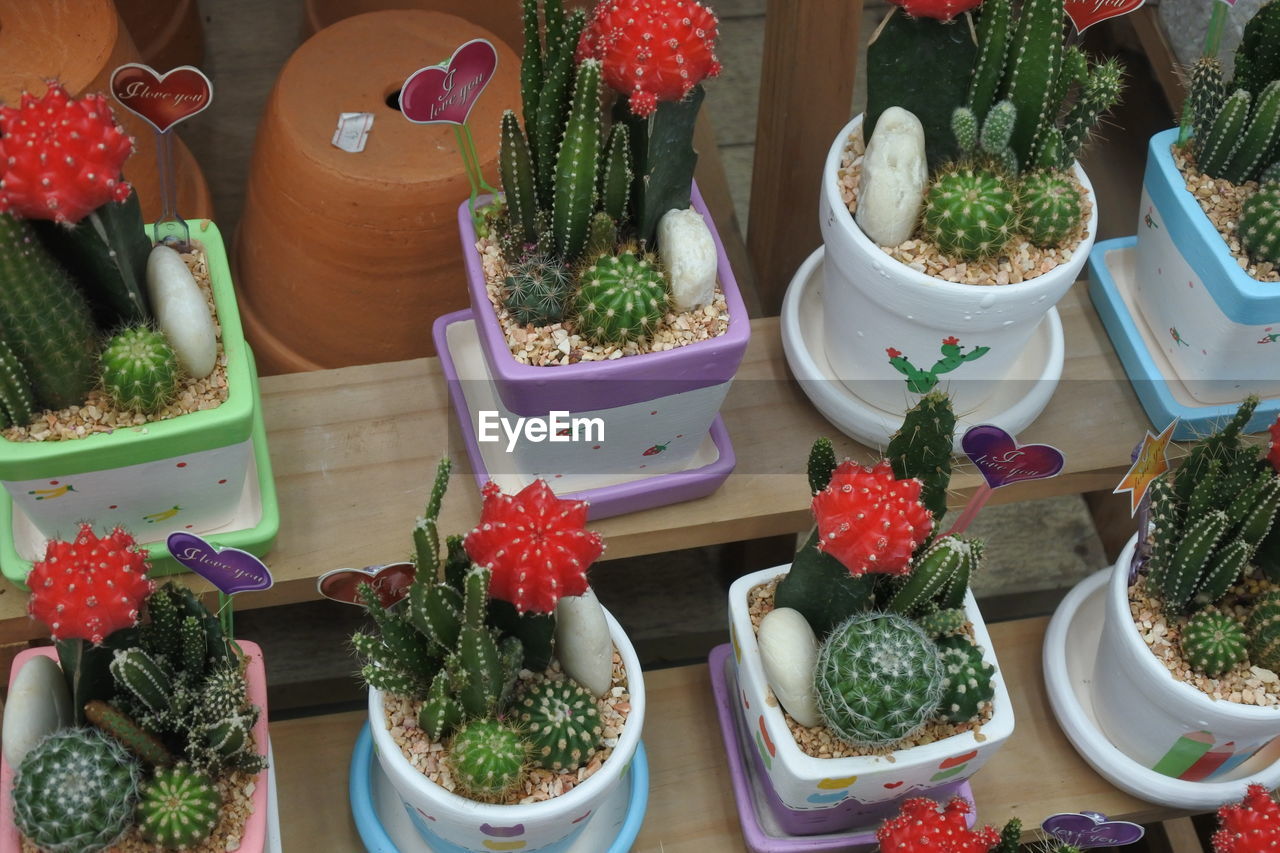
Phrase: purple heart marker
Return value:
(1091, 829)
(1001, 460)
(230, 569)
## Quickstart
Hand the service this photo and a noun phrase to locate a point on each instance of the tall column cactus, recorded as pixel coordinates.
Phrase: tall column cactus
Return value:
(573, 199)
(1035, 60)
(515, 167)
(1257, 60)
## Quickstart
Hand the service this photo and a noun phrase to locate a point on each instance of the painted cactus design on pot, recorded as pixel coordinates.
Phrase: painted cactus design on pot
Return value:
(923, 381)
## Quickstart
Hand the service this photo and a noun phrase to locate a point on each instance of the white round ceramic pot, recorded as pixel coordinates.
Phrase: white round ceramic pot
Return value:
(803, 789)
(550, 826)
(893, 333)
(1155, 719)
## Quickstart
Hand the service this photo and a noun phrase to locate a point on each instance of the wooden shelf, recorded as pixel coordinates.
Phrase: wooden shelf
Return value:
(691, 808)
(354, 450)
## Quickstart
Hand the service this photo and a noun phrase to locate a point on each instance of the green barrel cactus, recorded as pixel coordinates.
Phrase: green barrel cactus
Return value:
(562, 723)
(488, 757)
(140, 370)
(1213, 642)
(878, 679)
(75, 792)
(944, 623)
(1259, 227)
(620, 298)
(1049, 208)
(536, 290)
(178, 808)
(969, 212)
(967, 680)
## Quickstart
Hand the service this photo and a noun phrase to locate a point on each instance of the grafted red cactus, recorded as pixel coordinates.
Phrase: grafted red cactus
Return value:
(869, 520)
(60, 157)
(651, 50)
(940, 10)
(90, 587)
(1250, 826)
(922, 827)
(535, 544)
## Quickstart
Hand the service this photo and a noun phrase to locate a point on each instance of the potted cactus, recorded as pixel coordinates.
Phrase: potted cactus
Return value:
(1208, 246)
(143, 727)
(1249, 826)
(505, 703)
(964, 217)
(1190, 636)
(598, 282)
(127, 393)
(870, 642)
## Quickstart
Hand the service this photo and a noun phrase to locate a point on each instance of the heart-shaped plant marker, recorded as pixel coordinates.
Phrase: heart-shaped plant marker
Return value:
(162, 99)
(391, 583)
(1086, 13)
(229, 569)
(1091, 829)
(445, 93)
(1002, 461)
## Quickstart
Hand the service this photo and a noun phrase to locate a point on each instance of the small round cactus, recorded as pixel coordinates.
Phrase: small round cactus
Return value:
(1049, 208)
(178, 808)
(75, 792)
(1263, 630)
(537, 290)
(969, 212)
(1213, 642)
(1260, 224)
(967, 680)
(878, 679)
(562, 722)
(488, 757)
(620, 298)
(140, 370)
(943, 623)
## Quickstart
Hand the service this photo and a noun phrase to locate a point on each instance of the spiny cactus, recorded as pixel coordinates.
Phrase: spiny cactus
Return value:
(128, 734)
(620, 298)
(921, 448)
(1236, 137)
(1271, 174)
(553, 102)
(1257, 62)
(1099, 93)
(969, 212)
(537, 290)
(1206, 92)
(822, 464)
(602, 235)
(1213, 642)
(218, 740)
(939, 576)
(146, 679)
(532, 70)
(878, 679)
(562, 723)
(44, 318)
(17, 406)
(573, 199)
(993, 40)
(515, 167)
(1034, 62)
(943, 623)
(140, 370)
(178, 808)
(75, 792)
(987, 140)
(488, 757)
(1257, 146)
(1263, 629)
(616, 174)
(1050, 208)
(1260, 224)
(1214, 149)
(967, 680)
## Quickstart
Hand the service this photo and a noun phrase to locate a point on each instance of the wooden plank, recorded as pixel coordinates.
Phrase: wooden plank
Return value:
(354, 450)
(691, 807)
(806, 94)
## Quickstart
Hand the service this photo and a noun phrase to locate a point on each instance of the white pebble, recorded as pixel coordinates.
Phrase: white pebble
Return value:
(789, 652)
(894, 178)
(689, 254)
(182, 311)
(583, 644)
(39, 704)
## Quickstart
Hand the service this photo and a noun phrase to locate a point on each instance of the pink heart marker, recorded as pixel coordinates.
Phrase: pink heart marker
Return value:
(445, 93)
(390, 582)
(1002, 461)
(1086, 13)
(162, 99)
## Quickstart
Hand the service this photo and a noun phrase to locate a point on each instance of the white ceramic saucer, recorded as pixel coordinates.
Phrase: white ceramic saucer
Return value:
(1013, 406)
(1070, 648)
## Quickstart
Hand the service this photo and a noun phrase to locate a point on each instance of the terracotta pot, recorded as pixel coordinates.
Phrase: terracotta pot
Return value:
(502, 19)
(81, 42)
(346, 258)
(168, 33)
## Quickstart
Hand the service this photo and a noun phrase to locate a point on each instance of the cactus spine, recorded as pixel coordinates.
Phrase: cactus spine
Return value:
(620, 298)
(17, 406)
(75, 792)
(1035, 60)
(1259, 227)
(1213, 642)
(536, 290)
(178, 808)
(44, 318)
(140, 370)
(967, 679)
(561, 722)
(515, 167)
(488, 757)
(573, 200)
(878, 679)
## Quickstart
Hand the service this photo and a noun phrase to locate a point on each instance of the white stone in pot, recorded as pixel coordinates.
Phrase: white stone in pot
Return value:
(39, 704)
(182, 311)
(582, 642)
(789, 652)
(895, 176)
(689, 254)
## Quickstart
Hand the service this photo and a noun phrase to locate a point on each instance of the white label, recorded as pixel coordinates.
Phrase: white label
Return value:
(353, 130)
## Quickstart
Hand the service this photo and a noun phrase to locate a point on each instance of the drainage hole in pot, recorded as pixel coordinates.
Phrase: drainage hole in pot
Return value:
(393, 99)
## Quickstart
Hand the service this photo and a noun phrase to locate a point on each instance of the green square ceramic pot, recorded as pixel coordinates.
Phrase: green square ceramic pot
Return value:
(187, 473)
